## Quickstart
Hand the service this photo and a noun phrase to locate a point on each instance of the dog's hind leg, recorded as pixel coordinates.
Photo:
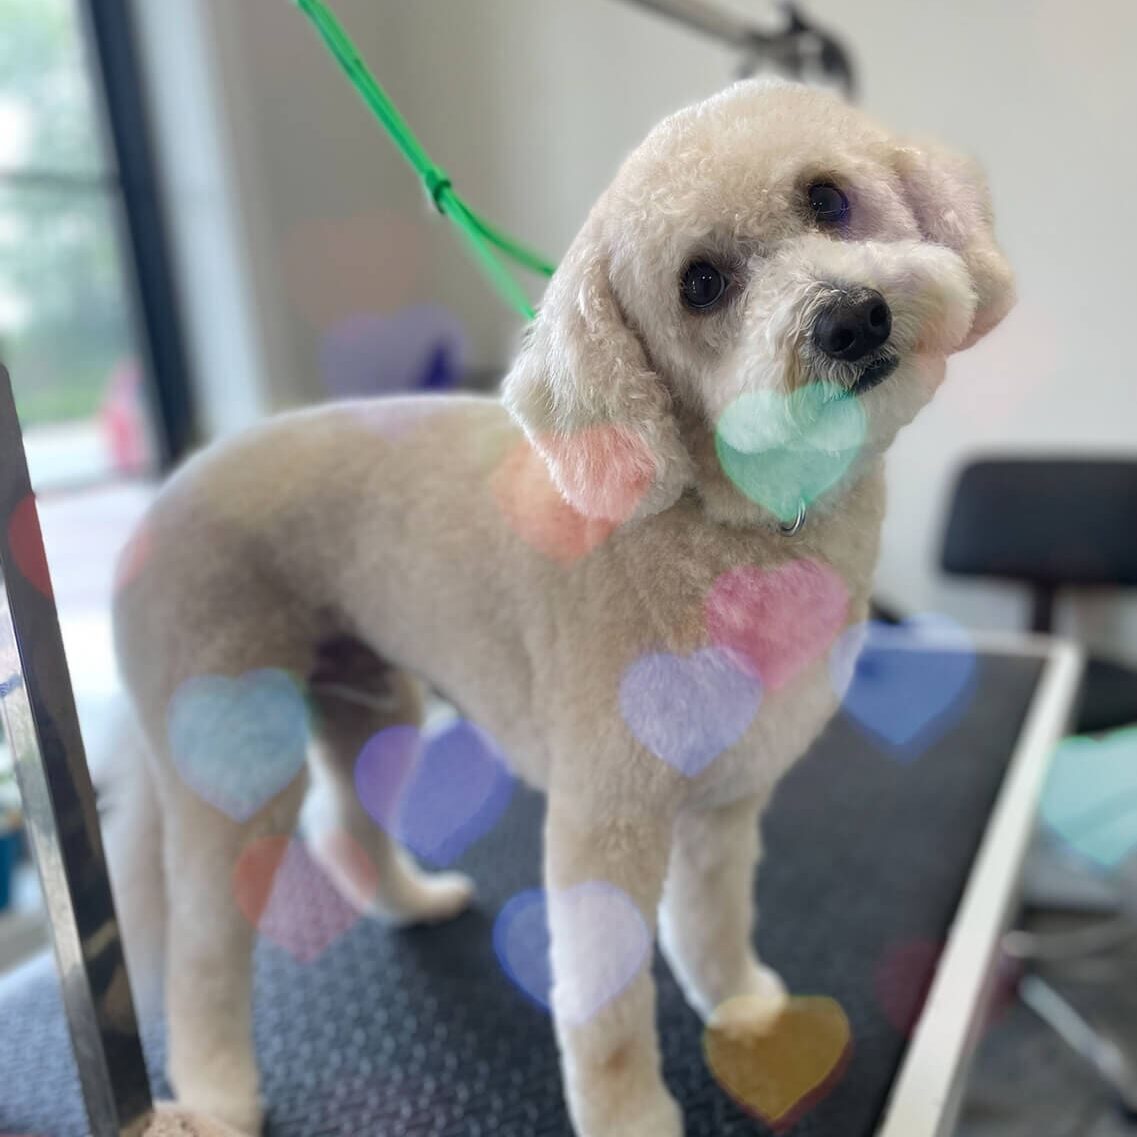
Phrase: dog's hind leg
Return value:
(355, 694)
(212, 1064)
(222, 707)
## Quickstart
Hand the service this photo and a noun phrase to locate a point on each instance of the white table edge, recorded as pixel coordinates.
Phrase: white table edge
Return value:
(927, 1092)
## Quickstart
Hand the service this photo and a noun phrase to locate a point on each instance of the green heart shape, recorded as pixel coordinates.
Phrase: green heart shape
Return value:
(783, 451)
(1090, 799)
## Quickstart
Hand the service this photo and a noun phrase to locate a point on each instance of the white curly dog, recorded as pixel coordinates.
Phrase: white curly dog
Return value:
(629, 572)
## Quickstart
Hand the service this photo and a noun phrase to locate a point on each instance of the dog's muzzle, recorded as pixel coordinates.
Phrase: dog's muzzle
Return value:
(851, 326)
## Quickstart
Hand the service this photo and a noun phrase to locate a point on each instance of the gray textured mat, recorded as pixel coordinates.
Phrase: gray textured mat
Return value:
(420, 1034)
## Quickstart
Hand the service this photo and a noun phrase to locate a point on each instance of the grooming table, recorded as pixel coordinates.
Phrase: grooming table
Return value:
(875, 858)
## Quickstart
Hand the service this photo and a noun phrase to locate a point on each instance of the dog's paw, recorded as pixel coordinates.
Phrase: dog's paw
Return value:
(428, 898)
(172, 1120)
(753, 1010)
(658, 1117)
(664, 1120)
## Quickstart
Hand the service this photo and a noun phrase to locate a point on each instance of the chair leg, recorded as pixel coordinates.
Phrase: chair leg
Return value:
(1092, 1044)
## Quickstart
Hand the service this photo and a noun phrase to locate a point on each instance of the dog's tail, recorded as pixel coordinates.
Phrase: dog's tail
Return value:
(132, 834)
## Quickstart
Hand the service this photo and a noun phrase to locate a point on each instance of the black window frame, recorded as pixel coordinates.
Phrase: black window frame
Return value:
(112, 38)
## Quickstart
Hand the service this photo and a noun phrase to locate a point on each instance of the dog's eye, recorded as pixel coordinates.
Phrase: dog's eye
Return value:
(703, 285)
(828, 204)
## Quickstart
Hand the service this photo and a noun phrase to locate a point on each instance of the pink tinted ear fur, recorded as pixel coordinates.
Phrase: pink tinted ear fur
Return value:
(590, 403)
(949, 196)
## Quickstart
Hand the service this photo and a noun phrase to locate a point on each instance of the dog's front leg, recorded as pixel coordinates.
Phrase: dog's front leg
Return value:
(708, 913)
(604, 873)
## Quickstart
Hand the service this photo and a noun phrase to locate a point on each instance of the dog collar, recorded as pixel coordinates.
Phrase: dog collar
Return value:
(792, 528)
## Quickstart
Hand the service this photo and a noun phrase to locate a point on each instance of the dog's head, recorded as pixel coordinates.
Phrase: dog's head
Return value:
(769, 263)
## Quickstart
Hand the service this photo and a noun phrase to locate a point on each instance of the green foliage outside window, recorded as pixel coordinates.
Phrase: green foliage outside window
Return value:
(64, 324)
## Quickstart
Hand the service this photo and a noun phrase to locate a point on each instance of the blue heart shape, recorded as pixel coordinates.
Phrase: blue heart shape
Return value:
(612, 946)
(237, 742)
(437, 795)
(1090, 799)
(910, 682)
(521, 942)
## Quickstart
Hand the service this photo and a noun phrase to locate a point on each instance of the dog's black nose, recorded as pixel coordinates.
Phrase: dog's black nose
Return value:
(854, 324)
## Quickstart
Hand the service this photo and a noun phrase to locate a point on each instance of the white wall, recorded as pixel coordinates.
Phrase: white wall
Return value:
(530, 104)
(1044, 93)
(211, 247)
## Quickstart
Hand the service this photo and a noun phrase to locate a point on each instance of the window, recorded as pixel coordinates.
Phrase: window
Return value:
(66, 327)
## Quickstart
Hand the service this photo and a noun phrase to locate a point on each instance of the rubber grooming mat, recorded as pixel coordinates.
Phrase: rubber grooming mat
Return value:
(420, 1034)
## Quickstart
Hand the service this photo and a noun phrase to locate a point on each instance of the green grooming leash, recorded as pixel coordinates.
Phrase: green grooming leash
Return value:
(480, 236)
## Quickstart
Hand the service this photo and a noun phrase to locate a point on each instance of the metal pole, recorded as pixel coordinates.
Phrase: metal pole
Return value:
(799, 48)
(59, 806)
(709, 19)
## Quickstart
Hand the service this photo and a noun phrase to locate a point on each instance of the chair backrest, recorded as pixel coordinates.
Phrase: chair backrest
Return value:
(1048, 522)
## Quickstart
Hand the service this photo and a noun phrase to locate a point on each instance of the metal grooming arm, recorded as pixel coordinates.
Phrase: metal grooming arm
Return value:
(59, 806)
(801, 48)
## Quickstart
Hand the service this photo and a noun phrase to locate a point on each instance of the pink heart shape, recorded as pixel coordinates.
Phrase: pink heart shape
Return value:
(285, 895)
(780, 620)
(26, 543)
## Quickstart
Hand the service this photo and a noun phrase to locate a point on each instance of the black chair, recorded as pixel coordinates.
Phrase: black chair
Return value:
(1053, 524)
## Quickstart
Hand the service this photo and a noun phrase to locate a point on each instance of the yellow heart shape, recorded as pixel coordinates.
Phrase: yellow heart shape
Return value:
(779, 1069)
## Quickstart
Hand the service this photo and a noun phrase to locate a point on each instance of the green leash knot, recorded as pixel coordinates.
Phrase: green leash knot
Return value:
(486, 244)
(436, 183)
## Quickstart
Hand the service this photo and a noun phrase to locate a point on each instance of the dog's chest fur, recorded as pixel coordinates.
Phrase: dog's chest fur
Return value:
(676, 579)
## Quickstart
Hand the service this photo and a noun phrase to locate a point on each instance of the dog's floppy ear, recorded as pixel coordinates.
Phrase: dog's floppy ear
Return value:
(589, 401)
(949, 196)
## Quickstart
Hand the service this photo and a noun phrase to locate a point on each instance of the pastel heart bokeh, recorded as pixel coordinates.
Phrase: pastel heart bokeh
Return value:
(605, 472)
(537, 512)
(421, 347)
(26, 542)
(287, 897)
(777, 1071)
(437, 793)
(780, 620)
(905, 685)
(904, 976)
(687, 710)
(366, 262)
(785, 450)
(1090, 799)
(902, 980)
(237, 742)
(610, 946)
(521, 942)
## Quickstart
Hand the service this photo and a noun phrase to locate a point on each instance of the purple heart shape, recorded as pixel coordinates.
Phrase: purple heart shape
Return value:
(910, 682)
(599, 964)
(688, 709)
(422, 347)
(436, 795)
(237, 742)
